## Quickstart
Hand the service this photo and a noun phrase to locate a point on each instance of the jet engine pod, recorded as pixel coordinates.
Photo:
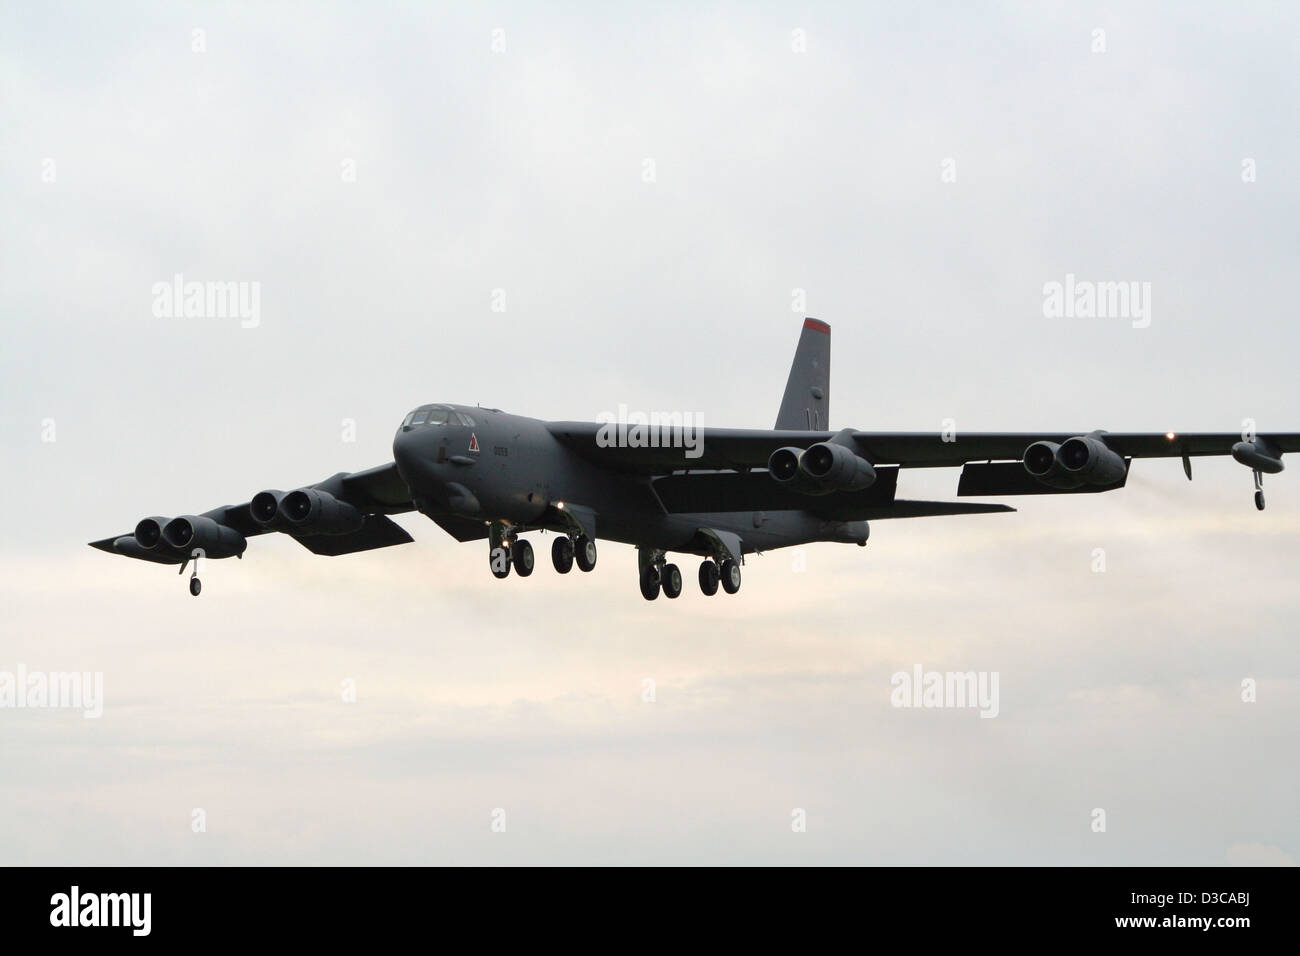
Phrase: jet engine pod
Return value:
(311, 511)
(148, 533)
(1259, 455)
(265, 508)
(1040, 457)
(836, 468)
(188, 532)
(783, 464)
(1088, 459)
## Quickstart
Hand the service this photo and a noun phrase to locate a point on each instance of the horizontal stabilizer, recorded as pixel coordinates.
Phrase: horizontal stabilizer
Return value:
(903, 508)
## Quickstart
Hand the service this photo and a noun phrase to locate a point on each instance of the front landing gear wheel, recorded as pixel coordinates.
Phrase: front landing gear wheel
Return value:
(521, 556)
(585, 552)
(709, 577)
(195, 586)
(1259, 500)
(499, 559)
(671, 579)
(650, 581)
(730, 576)
(562, 555)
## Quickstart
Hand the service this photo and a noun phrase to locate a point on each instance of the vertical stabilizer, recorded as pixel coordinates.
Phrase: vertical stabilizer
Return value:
(806, 404)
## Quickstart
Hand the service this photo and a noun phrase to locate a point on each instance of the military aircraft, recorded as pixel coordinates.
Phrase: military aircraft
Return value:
(656, 483)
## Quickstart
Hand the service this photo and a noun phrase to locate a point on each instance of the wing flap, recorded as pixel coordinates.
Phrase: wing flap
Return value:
(379, 531)
(984, 479)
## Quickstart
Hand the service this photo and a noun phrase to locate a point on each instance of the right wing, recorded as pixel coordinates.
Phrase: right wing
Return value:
(352, 510)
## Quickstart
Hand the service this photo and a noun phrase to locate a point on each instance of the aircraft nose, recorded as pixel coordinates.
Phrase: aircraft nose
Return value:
(411, 453)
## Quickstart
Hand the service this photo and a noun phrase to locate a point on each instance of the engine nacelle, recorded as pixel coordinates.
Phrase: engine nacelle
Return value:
(1084, 460)
(1259, 455)
(783, 465)
(188, 532)
(311, 511)
(148, 533)
(265, 509)
(1089, 460)
(1041, 461)
(835, 468)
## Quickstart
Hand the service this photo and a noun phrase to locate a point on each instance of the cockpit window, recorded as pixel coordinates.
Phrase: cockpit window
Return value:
(465, 419)
(418, 417)
(437, 416)
(407, 421)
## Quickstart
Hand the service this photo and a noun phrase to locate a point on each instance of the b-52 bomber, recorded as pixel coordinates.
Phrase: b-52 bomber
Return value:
(652, 482)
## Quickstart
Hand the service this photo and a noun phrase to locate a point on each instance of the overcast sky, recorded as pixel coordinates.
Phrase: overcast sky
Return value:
(554, 210)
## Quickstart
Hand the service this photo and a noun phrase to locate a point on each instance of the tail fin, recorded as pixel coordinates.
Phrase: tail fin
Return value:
(807, 400)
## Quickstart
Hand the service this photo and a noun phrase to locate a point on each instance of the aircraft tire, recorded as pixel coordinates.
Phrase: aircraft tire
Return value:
(671, 580)
(585, 552)
(521, 556)
(730, 576)
(709, 577)
(562, 555)
(650, 582)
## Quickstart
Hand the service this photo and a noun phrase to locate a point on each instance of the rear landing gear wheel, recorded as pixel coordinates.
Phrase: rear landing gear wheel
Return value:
(671, 579)
(730, 576)
(562, 555)
(585, 552)
(195, 586)
(650, 581)
(709, 577)
(521, 556)
(499, 559)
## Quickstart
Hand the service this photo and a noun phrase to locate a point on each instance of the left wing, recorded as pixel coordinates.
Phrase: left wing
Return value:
(742, 449)
(996, 463)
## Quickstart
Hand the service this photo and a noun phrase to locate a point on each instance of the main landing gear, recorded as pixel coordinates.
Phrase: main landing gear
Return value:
(1259, 489)
(657, 576)
(726, 573)
(507, 550)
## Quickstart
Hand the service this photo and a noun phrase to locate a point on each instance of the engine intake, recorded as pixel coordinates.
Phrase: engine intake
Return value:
(148, 532)
(265, 508)
(783, 465)
(188, 532)
(311, 511)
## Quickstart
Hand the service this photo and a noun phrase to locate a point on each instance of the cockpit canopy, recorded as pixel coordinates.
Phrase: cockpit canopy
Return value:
(436, 415)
